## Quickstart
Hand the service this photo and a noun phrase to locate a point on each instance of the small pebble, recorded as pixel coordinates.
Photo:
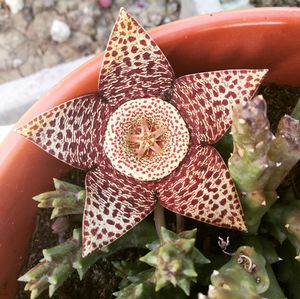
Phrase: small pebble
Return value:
(60, 31)
(15, 5)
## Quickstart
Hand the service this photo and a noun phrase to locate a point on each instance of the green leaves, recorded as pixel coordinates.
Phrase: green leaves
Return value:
(260, 161)
(67, 199)
(174, 259)
(244, 276)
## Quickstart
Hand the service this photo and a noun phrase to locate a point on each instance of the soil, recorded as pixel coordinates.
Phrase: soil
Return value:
(100, 281)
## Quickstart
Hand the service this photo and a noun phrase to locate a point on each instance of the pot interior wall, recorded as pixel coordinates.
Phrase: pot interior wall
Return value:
(261, 38)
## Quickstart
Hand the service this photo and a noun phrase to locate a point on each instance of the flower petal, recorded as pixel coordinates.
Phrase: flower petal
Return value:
(203, 190)
(205, 100)
(114, 205)
(72, 132)
(133, 65)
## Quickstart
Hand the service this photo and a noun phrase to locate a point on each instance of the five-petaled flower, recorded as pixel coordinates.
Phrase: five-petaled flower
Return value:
(146, 137)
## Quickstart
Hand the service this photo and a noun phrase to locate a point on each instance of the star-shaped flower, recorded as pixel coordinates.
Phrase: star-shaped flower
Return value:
(146, 137)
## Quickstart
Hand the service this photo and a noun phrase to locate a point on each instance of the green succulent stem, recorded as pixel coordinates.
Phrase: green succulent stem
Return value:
(296, 111)
(174, 259)
(67, 199)
(260, 160)
(244, 276)
(56, 266)
(285, 216)
(159, 218)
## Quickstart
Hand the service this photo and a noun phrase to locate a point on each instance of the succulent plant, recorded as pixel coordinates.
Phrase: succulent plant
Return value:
(147, 142)
(58, 263)
(67, 199)
(146, 137)
(244, 276)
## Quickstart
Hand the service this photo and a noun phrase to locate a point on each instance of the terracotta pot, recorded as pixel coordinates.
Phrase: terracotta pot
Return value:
(259, 38)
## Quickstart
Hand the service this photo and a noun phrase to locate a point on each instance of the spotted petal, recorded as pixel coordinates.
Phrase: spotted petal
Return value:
(72, 132)
(133, 66)
(114, 204)
(205, 100)
(203, 190)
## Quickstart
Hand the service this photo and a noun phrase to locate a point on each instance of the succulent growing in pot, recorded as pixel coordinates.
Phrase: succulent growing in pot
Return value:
(145, 133)
(134, 143)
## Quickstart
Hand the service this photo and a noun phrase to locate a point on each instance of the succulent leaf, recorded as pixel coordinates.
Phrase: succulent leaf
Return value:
(244, 276)
(274, 291)
(67, 199)
(60, 261)
(285, 216)
(203, 190)
(252, 140)
(174, 260)
(288, 271)
(285, 150)
(54, 268)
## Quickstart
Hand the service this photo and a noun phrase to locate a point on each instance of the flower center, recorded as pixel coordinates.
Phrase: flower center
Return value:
(146, 139)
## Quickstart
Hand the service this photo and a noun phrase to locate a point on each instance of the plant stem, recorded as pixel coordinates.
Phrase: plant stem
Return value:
(179, 223)
(159, 217)
(296, 111)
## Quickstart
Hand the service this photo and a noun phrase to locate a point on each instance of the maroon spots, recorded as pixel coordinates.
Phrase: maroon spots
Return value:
(74, 132)
(222, 89)
(118, 226)
(146, 56)
(215, 207)
(94, 231)
(131, 39)
(110, 235)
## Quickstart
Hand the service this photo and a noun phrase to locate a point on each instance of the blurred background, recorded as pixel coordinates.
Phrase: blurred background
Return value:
(41, 41)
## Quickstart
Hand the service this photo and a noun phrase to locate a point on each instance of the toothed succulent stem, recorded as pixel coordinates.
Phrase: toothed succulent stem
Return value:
(174, 259)
(67, 199)
(285, 216)
(249, 165)
(244, 276)
(285, 150)
(56, 266)
(260, 161)
(296, 111)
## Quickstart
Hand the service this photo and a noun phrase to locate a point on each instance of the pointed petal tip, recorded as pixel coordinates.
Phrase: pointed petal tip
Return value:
(22, 131)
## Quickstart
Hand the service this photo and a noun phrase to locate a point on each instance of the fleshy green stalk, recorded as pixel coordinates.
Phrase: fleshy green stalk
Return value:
(285, 216)
(261, 161)
(67, 199)
(244, 276)
(57, 265)
(250, 165)
(174, 259)
(285, 150)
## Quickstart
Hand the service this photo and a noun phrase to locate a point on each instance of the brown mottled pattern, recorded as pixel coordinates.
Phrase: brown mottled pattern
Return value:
(115, 204)
(205, 100)
(133, 66)
(72, 132)
(202, 189)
